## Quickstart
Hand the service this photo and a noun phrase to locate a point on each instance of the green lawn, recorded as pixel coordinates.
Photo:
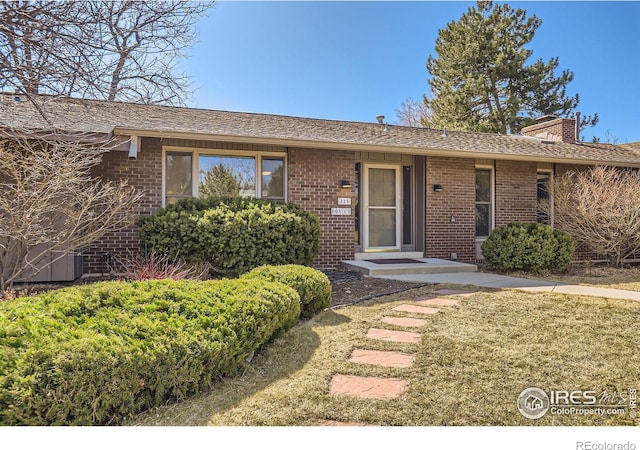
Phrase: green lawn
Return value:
(471, 364)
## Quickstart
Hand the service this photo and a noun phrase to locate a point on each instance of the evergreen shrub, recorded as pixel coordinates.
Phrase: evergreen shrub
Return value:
(529, 247)
(233, 235)
(99, 353)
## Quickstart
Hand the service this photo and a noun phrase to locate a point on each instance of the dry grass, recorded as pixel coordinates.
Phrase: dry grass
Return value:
(473, 361)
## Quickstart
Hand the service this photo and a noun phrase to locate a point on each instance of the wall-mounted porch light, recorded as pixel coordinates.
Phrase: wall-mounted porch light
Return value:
(346, 184)
(437, 188)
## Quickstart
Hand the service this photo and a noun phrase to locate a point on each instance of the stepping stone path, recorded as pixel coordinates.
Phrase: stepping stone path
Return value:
(404, 322)
(416, 309)
(393, 336)
(381, 358)
(437, 301)
(390, 388)
(368, 387)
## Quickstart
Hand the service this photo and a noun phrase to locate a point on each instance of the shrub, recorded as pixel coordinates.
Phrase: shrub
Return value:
(530, 247)
(99, 353)
(233, 235)
(599, 208)
(153, 266)
(312, 286)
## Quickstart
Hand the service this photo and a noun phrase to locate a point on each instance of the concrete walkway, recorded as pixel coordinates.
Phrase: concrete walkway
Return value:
(490, 280)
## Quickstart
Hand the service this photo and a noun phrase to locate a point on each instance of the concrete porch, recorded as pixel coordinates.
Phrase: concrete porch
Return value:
(381, 264)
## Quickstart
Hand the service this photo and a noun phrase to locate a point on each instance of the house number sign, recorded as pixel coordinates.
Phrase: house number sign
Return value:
(344, 200)
(340, 211)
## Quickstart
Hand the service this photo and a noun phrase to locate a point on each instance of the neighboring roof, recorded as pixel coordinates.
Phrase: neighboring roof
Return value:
(76, 115)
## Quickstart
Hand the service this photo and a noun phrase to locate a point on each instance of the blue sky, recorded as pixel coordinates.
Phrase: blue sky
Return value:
(355, 60)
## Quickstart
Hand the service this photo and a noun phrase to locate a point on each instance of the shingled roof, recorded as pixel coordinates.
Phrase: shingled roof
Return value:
(77, 115)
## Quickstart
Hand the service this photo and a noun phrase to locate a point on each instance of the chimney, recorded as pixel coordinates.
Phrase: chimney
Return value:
(554, 128)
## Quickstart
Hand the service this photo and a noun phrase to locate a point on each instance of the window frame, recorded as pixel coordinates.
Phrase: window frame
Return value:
(491, 203)
(195, 167)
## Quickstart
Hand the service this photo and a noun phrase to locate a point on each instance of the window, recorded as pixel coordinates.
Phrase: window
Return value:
(407, 206)
(222, 174)
(484, 203)
(227, 176)
(272, 178)
(178, 177)
(545, 204)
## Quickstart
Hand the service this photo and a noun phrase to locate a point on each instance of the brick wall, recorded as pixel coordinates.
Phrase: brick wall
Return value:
(442, 236)
(516, 194)
(144, 174)
(314, 184)
(557, 129)
(515, 200)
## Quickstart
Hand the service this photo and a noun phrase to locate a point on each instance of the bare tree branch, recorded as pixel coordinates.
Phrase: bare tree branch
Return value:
(413, 113)
(50, 204)
(600, 209)
(107, 50)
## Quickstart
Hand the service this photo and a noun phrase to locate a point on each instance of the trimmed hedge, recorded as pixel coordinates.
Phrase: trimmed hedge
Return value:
(99, 353)
(233, 235)
(312, 286)
(530, 247)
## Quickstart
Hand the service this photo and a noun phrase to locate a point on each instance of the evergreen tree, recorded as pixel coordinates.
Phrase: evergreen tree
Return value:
(480, 79)
(219, 181)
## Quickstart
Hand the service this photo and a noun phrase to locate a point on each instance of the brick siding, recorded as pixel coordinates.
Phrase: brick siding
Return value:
(313, 183)
(516, 194)
(457, 199)
(558, 129)
(314, 178)
(144, 174)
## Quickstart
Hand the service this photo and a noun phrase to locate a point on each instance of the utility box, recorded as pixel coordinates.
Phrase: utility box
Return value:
(68, 267)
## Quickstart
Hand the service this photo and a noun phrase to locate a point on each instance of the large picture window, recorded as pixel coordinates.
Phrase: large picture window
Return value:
(227, 176)
(484, 202)
(222, 174)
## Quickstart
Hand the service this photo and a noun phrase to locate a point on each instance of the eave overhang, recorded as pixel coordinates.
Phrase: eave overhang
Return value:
(360, 147)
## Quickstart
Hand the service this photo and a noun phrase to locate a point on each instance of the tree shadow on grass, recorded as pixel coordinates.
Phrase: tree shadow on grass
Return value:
(277, 360)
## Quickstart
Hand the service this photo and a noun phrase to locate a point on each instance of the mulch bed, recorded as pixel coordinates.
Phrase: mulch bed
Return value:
(349, 287)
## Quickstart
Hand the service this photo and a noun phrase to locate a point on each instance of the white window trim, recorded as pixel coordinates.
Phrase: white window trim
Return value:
(492, 210)
(195, 167)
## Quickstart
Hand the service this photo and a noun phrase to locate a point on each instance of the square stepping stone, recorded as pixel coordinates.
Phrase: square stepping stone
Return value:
(438, 302)
(381, 358)
(367, 387)
(393, 336)
(404, 321)
(455, 292)
(416, 309)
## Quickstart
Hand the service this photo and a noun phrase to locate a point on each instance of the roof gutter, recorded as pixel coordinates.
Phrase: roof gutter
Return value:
(350, 146)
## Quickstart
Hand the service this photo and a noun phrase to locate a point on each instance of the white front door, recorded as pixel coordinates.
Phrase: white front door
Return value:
(382, 212)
